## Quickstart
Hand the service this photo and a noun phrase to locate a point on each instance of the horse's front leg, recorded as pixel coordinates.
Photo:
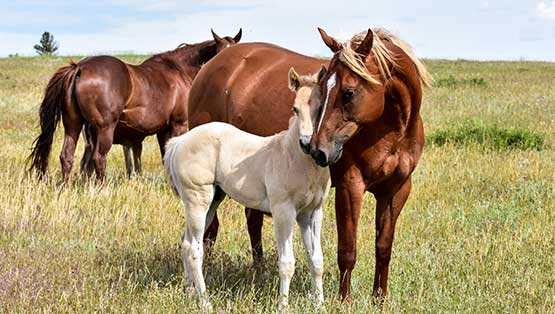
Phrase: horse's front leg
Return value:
(284, 221)
(311, 226)
(349, 195)
(388, 209)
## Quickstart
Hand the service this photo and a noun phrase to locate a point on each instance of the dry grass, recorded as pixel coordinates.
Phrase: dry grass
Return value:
(477, 234)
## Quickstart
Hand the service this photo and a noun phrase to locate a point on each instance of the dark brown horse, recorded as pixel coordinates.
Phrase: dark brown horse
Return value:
(240, 86)
(370, 117)
(119, 103)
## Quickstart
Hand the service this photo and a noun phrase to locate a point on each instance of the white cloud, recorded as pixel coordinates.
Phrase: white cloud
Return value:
(545, 10)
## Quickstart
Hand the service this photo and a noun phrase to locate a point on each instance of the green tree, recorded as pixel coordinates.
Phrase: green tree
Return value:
(47, 46)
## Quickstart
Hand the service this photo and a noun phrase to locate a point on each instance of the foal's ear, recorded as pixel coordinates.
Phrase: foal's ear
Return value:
(294, 81)
(237, 37)
(366, 45)
(333, 44)
(217, 38)
(322, 72)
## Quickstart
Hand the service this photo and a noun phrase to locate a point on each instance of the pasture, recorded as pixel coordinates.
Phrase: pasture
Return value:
(476, 235)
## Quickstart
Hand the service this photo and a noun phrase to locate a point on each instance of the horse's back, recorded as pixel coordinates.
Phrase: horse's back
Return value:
(246, 86)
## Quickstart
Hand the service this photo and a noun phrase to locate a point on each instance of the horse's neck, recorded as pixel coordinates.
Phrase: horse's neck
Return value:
(289, 140)
(192, 58)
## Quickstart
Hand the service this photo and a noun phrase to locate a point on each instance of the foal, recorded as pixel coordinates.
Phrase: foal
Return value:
(271, 174)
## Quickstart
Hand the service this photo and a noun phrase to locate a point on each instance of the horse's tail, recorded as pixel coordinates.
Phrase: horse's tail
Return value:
(170, 161)
(58, 92)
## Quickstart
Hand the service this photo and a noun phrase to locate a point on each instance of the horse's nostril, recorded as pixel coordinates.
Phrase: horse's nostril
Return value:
(305, 147)
(319, 157)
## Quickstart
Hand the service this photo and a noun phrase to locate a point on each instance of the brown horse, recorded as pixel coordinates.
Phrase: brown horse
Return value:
(372, 132)
(240, 86)
(377, 108)
(119, 103)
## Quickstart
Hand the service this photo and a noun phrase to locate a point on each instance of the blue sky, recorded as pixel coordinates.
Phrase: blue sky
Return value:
(471, 29)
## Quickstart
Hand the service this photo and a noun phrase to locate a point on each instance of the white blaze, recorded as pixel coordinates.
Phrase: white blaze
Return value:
(330, 85)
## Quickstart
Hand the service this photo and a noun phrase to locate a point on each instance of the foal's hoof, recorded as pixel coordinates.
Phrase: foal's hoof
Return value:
(283, 305)
(205, 305)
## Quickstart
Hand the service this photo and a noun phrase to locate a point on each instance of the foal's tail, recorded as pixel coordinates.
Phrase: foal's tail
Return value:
(59, 92)
(169, 161)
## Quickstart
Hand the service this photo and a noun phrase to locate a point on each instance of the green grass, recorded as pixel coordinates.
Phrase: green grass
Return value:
(476, 235)
(488, 136)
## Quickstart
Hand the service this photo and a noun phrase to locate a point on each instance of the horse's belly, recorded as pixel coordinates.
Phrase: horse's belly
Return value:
(251, 199)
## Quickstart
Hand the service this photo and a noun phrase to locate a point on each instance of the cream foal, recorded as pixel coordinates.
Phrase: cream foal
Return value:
(271, 174)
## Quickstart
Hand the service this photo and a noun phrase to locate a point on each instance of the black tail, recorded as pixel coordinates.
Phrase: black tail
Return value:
(58, 92)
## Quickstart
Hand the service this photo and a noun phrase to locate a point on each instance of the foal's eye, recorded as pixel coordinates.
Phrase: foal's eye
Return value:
(348, 94)
(295, 110)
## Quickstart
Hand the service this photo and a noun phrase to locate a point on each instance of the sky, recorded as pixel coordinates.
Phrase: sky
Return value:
(470, 29)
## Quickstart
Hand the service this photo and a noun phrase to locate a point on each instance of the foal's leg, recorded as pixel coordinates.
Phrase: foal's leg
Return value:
(137, 152)
(387, 212)
(128, 163)
(311, 225)
(197, 202)
(284, 221)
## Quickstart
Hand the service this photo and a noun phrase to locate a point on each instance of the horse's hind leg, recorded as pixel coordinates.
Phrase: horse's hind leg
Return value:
(128, 162)
(310, 223)
(197, 202)
(103, 143)
(219, 196)
(137, 151)
(87, 165)
(72, 121)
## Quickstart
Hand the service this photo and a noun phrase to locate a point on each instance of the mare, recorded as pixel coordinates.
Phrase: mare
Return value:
(119, 103)
(272, 174)
(370, 129)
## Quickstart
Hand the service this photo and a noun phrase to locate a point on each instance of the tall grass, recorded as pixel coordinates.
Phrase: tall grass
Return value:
(477, 234)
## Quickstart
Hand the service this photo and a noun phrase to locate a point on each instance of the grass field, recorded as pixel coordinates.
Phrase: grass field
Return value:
(476, 236)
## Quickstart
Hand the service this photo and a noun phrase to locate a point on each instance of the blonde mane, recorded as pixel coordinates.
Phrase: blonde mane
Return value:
(383, 55)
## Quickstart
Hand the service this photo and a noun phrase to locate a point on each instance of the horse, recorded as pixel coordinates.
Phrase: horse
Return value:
(272, 174)
(240, 86)
(381, 154)
(119, 103)
(370, 129)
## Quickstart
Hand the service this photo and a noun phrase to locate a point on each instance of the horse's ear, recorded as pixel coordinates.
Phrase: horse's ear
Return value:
(366, 45)
(294, 81)
(333, 44)
(237, 37)
(217, 38)
(322, 72)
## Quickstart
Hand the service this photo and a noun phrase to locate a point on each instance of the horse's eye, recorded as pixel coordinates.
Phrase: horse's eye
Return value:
(295, 110)
(348, 94)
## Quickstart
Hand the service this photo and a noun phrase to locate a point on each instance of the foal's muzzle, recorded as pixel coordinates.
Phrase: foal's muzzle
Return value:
(304, 142)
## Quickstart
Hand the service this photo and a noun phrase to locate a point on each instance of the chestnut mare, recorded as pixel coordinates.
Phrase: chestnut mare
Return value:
(370, 117)
(371, 131)
(119, 103)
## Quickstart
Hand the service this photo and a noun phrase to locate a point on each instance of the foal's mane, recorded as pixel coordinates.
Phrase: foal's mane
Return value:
(383, 55)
